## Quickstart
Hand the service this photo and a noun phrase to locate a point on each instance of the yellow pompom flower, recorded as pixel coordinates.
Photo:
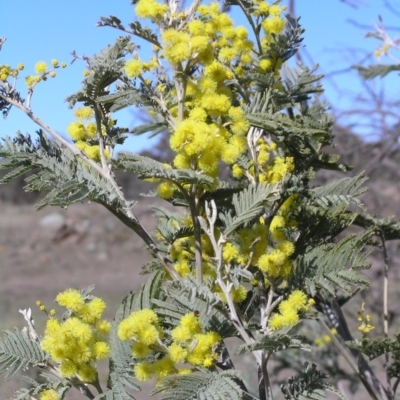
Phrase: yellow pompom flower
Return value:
(163, 367)
(180, 334)
(103, 327)
(265, 64)
(68, 369)
(87, 373)
(238, 295)
(148, 335)
(191, 323)
(40, 67)
(165, 190)
(76, 131)
(227, 54)
(49, 394)
(71, 299)
(276, 322)
(140, 350)
(199, 43)
(143, 371)
(92, 311)
(237, 171)
(290, 317)
(134, 68)
(230, 252)
(84, 113)
(298, 300)
(184, 371)
(182, 267)
(100, 350)
(275, 10)
(207, 84)
(274, 25)
(177, 353)
(216, 71)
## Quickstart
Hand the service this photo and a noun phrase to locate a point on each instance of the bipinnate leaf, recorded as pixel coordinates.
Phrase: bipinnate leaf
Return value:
(206, 386)
(374, 348)
(276, 342)
(308, 384)
(17, 351)
(248, 204)
(345, 190)
(148, 168)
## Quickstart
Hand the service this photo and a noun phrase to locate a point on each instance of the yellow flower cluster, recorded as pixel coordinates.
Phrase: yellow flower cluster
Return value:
(365, 327)
(84, 133)
(6, 71)
(213, 128)
(276, 263)
(190, 344)
(268, 170)
(43, 71)
(150, 9)
(289, 310)
(142, 327)
(80, 340)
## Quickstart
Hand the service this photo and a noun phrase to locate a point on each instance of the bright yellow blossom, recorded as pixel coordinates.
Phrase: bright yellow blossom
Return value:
(40, 67)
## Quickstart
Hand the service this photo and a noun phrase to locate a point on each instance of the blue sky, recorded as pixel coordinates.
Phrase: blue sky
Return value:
(54, 29)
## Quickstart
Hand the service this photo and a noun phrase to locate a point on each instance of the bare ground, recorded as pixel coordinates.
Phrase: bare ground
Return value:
(38, 261)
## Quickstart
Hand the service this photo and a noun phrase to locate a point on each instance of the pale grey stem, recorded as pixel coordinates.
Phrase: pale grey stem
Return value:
(385, 305)
(211, 217)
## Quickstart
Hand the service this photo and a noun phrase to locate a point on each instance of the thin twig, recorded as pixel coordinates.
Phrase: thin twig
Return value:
(385, 305)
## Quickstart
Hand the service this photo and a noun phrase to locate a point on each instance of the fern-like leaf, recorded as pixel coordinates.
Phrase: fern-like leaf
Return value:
(248, 204)
(276, 342)
(308, 385)
(120, 364)
(334, 265)
(207, 386)
(18, 351)
(148, 168)
(373, 348)
(342, 191)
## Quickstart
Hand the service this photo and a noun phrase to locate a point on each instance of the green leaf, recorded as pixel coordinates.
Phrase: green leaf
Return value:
(207, 386)
(123, 98)
(333, 265)
(248, 204)
(342, 191)
(148, 168)
(18, 351)
(308, 385)
(120, 363)
(374, 348)
(149, 291)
